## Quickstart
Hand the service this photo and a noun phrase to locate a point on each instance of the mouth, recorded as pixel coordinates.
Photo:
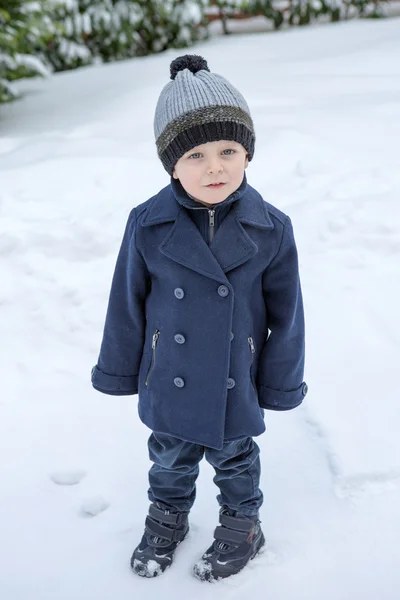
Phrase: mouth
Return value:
(215, 186)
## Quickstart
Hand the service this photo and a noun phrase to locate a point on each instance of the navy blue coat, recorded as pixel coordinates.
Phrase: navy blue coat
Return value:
(208, 335)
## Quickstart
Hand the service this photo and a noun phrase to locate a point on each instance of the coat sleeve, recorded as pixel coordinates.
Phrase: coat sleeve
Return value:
(281, 367)
(117, 370)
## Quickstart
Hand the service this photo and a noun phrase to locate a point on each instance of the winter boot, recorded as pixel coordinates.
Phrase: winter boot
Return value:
(164, 531)
(237, 540)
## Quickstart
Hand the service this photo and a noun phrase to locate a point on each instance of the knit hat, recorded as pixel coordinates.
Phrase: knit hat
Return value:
(196, 107)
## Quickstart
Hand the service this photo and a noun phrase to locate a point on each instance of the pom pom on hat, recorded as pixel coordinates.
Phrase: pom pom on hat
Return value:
(193, 62)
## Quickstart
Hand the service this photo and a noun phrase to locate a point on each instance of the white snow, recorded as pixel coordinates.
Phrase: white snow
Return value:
(151, 568)
(76, 154)
(68, 476)
(94, 506)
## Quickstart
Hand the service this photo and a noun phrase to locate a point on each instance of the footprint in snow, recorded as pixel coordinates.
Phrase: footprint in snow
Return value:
(92, 507)
(68, 476)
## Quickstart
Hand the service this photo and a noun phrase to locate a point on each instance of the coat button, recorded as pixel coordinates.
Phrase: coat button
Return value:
(179, 293)
(178, 381)
(179, 338)
(232, 336)
(223, 291)
(305, 389)
(231, 383)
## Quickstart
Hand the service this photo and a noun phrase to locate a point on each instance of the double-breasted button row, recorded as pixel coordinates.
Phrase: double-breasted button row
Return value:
(223, 291)
(179, 382)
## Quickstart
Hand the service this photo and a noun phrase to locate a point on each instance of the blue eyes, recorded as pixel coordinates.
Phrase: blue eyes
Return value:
(228, 150)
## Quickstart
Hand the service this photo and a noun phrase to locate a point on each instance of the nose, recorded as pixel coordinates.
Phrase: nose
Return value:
(214, 165)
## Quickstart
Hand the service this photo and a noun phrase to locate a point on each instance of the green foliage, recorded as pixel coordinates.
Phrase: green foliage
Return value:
(170, 24)
(229, 8)
(266, 8)
(108, 30)
(24, 27)
(300, 12)
(55, 35)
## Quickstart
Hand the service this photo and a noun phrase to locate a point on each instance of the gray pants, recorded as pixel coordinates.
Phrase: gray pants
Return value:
(173, 475)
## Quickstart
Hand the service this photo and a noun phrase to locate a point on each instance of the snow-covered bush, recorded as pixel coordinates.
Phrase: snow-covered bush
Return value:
(270, 9)
(301, 12)
(296, 12)
(369, 8)
(92, 31)
(24, 28)
(107, 30)
(172, 23)
(55, 35)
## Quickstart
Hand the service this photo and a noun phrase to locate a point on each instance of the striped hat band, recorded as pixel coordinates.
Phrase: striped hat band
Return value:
(205, 124)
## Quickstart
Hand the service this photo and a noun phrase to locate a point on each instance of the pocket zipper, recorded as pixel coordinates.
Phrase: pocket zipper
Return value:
(252, 348)
(156, 335)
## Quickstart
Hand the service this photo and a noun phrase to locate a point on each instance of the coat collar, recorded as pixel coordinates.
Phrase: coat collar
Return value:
(249, 208)
(232, 244)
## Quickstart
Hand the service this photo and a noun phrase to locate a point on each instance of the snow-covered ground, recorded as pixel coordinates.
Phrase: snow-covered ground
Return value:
(75, 156)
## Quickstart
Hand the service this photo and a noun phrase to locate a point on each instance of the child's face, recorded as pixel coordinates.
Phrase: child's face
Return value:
(214, 162)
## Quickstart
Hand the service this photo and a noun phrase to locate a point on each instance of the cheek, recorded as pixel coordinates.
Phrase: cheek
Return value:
(192, 176)
(235, 169)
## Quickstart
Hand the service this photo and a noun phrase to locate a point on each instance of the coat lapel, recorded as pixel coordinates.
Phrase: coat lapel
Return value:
(231, 246)
(185, 245)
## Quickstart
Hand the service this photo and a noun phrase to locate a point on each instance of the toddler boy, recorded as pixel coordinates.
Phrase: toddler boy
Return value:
(205, 322)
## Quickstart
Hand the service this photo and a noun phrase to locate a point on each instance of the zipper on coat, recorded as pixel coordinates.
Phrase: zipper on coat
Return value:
(211, 214)
(252, 348)
(156, 335)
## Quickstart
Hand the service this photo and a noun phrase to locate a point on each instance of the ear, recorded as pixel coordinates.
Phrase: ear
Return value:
(174, 175)
(246, 162)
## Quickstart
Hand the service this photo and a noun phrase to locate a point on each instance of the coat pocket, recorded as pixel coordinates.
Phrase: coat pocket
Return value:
(156, 335)
(253, 350)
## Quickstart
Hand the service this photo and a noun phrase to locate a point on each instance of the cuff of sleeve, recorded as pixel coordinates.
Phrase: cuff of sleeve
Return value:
(279, 400)
(114, 384)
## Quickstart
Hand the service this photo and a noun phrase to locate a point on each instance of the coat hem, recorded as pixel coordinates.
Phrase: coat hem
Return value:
(192, 440)
(188, 439)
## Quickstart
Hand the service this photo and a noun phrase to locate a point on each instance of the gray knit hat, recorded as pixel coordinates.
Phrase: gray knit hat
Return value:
(198, 107)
